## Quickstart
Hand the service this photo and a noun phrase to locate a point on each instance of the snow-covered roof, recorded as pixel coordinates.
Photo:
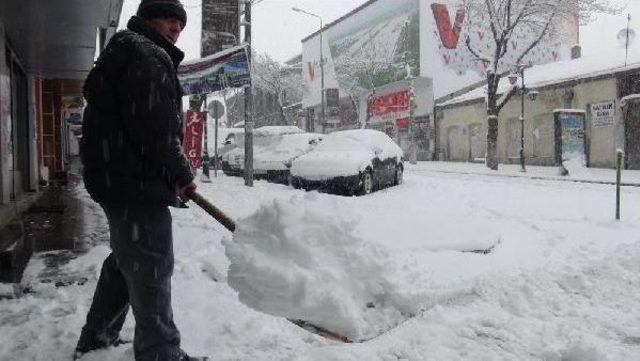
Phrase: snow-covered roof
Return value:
(559, 72)
(565, 110)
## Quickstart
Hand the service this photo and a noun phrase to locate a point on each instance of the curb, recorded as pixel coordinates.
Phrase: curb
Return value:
(559, 179)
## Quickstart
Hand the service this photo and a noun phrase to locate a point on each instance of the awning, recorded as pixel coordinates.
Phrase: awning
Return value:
(57, 38)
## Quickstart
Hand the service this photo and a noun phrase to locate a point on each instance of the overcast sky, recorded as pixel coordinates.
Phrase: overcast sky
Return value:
(278, 31)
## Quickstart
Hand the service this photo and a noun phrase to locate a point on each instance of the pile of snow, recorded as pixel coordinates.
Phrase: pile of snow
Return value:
(291, 261)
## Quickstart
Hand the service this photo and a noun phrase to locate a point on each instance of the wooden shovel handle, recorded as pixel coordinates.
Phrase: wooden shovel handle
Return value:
(213, 211)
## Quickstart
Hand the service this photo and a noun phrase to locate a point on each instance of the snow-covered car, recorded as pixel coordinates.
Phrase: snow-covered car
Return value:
(272, 161)
(350, 162)
(233, 158)
(228, 139)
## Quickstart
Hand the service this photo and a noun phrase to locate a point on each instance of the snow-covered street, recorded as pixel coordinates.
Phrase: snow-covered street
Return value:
(562, 281)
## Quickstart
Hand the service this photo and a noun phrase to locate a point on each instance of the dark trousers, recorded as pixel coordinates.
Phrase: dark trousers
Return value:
(138, 274)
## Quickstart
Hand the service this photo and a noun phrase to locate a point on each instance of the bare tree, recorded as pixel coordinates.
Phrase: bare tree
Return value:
(366, 70)
(515, 30)
(282, 82)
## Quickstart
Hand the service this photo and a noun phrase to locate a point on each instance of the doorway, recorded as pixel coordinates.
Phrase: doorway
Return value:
(20, 132)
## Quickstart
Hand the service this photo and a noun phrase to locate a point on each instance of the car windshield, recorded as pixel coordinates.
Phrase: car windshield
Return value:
(343, 180)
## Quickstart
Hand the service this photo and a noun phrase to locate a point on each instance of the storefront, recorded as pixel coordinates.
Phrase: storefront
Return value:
(46, 51)
(402, 110)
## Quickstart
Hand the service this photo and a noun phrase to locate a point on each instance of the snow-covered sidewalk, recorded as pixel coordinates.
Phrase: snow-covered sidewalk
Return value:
(576, 174)
(562, 284)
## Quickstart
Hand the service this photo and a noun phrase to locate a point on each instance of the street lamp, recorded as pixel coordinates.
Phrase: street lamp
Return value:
(322, 114)
(513, 78)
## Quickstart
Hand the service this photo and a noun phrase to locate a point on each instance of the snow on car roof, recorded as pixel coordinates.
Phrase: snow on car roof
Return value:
(373, 139)
(290, 142)
(268, 130)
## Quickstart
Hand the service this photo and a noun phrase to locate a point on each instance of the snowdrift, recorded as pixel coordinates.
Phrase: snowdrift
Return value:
(292, 261)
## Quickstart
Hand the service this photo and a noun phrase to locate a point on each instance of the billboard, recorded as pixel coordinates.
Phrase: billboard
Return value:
(220, 20)
(226, 69)
(385, 41)
(374, 46)
(445, 27)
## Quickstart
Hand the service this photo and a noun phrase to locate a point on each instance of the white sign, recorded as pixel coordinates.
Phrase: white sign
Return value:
(602, 114)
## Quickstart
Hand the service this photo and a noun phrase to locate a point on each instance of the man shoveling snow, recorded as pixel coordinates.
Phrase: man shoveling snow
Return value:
(135, 168)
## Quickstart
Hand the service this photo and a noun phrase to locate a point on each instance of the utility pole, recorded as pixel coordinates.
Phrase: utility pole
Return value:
(322, 97)
(413, 151)
(322, 108)
(522, 91)
(248, 103)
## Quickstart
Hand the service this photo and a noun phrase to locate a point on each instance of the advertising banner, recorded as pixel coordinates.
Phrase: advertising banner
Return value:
(193, 137)
(376, 45)
(572, 137)
(390, 103)
(226, 69)
(220, 20)
(446, 27)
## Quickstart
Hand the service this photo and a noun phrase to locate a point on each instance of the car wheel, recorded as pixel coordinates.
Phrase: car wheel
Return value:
(366, 186)
(399, 175)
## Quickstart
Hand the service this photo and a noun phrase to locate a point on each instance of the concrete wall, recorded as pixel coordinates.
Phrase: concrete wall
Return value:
(602, 140)
(462, 133)
(459, 125)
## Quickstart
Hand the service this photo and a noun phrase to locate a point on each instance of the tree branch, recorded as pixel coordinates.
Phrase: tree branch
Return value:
(492, 18)
(505, 97)
(543, 32)
(475, 53)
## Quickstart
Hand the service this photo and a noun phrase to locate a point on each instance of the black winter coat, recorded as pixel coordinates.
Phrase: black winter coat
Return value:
(131, 146)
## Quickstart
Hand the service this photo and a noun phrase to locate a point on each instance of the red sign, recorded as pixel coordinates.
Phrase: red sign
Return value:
(193, 137)
(403, 122)
(390, 103)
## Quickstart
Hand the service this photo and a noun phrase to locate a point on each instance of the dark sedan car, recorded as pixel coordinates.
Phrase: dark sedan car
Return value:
(350, 162)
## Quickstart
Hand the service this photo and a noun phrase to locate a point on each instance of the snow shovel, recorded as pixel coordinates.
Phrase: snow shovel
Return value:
(213, 211)
(229, 224)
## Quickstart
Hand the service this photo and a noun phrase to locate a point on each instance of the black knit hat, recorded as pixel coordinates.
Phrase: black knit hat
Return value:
(153, 9)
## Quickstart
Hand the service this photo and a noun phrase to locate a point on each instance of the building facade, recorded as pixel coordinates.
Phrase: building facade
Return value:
(387, 43)
(592, 94)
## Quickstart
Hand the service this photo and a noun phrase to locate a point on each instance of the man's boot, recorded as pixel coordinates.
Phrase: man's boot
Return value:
(186, 357)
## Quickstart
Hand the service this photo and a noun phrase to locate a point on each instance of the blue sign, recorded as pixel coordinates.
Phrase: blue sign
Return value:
(572, 135)
(227, 69)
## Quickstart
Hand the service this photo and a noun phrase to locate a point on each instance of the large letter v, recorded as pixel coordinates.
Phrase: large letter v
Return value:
(448, 35)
